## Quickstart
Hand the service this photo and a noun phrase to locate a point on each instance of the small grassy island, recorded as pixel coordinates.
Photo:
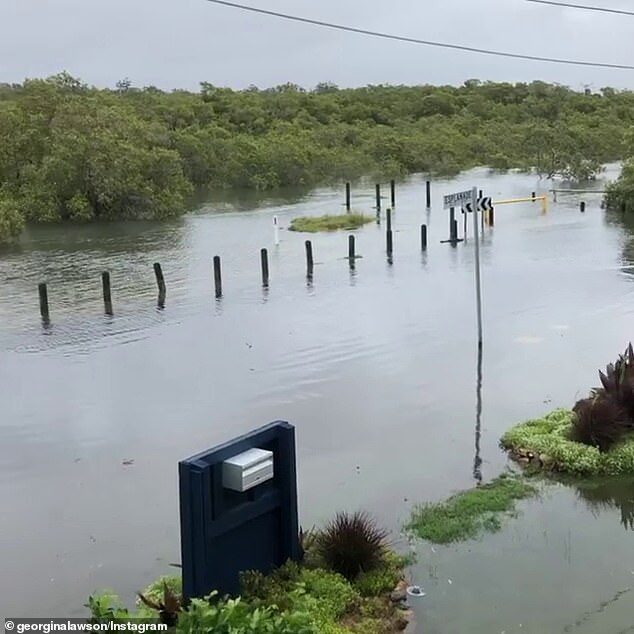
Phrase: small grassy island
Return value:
(348, 581)
(595, 438)
(468, 513)
(313, 224)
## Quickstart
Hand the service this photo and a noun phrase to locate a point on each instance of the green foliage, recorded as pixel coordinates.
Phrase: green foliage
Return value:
(313, 224)
(549, 438)
(467, 513)
(383, 579)
(351, 544)
(620, 194)
(72, 152)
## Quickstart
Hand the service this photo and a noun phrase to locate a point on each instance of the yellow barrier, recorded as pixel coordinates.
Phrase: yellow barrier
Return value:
(529, 199)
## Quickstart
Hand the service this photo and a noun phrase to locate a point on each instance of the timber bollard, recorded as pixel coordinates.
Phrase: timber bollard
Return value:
(393, 192)
(428, 194)
(480, 193)
(351, 250)
(347, 196)
(533, 196)
(389, 243)
(264, 260)
(309, 258)
(492, 217)
(107, 295)
(423, 237)
(582, 206)
(43, 293)
(217, 276)
(378, 197)
(160, 281)
(454, 231)
(388, 214)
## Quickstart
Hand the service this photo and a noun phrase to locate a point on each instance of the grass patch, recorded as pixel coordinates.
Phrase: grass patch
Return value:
(547, 441)
(467, 513)
(313, 224)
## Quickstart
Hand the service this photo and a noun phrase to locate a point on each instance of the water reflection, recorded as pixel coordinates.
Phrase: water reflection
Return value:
(477, 461)
(609, 494)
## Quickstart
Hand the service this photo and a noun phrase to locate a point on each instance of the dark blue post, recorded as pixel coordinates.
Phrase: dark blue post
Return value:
(347, 196)
(224, 531)
(428, 194)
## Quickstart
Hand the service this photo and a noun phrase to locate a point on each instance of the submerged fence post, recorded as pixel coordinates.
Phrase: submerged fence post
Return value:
(533, 196)
(393, 192)
(264, 260)
(351, 247)
(452, 224)
(389, 243)
(428, 194)
(492, 217)
(309, 258)
(378, 197)
(43, 293)
(347, 196)
(388, 214)
(160, 281)
(217, 276)
(582, 206)
(423, 237)
(454, 231)
(107, 295)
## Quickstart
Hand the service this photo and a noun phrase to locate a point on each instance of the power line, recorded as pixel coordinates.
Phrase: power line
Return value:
(581, 6)
(411, 40)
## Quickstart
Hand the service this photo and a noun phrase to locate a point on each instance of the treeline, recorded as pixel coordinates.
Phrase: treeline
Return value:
(72, 152)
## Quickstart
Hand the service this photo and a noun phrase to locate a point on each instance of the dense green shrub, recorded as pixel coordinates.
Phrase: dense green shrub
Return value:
(72, 152)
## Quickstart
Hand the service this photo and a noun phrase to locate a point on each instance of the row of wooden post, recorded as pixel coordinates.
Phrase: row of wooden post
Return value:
(378, 197)
(217, 268)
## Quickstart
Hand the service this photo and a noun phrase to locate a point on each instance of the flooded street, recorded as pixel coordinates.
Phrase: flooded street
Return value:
(376, 367)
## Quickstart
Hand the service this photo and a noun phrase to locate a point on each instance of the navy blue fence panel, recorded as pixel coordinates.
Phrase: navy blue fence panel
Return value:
(224, 532)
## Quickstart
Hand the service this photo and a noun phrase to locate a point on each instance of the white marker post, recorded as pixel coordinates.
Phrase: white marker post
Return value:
(474, 206)
(276, 231)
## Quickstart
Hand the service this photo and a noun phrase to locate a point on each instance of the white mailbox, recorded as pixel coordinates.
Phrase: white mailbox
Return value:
(247, 469)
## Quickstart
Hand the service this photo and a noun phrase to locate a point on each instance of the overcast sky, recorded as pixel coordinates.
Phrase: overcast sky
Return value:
(178, 43)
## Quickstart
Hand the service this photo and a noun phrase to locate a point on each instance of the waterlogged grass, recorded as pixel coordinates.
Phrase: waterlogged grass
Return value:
(313, 224)
(468, 513)
(548, 438)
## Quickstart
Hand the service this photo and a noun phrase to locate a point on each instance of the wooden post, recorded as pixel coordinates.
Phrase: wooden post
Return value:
(43, 293)
(351, 249)
(428, 194)
(533, 196)
(107, 295)
(492, 217)
(160, 281)
(582, 206)
(264, 259)
(388, 214)
(423, 237)
(480, 194)
(393, 192)
(454, 231)
(309, 258)
(347, 196)
(390, 244)
(217, 276)
(452, 224)
(378, 197)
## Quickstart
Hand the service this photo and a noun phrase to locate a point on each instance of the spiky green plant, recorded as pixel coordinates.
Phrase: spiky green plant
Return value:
(352, 544)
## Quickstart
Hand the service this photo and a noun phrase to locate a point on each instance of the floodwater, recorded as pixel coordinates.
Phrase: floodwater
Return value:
(376, 367)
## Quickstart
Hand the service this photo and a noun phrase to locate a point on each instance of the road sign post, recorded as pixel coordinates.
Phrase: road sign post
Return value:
(471, 202)
(474, 204)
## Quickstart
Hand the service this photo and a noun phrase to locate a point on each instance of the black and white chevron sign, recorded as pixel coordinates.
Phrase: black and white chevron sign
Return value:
(484, 204)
